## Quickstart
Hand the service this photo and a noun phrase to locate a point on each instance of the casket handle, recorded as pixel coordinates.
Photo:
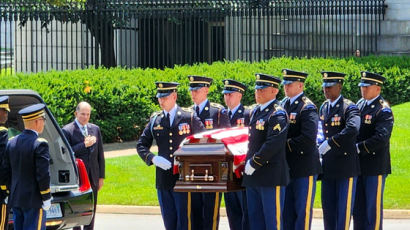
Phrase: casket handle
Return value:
(192, 175)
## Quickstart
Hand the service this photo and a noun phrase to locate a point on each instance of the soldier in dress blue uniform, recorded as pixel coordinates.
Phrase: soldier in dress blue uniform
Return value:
(26, 170)
(373, 145)
(168, 128)
(235, 202)
(340, 162)
(205, 206)
(4, 192)
(266, 169)
(301, 152)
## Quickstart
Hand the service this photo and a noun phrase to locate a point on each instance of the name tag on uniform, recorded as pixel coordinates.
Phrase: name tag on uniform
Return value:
(209, 123)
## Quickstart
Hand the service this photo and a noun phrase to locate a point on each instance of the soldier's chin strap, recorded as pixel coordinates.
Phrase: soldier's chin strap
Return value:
(152, 125)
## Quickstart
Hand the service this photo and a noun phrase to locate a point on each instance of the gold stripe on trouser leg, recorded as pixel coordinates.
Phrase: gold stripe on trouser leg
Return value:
(3, 216)
(40, 217)
(348, 204)
(189, 211)
(378, 201)
(308, 203)
(215, 219)
(278, 207)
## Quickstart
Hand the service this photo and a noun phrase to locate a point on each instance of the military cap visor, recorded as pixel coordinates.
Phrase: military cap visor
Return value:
(197, 82)
(263, 81)
(32, 112)
(332, 78)
(231, 86)
(290, 76)
(4, 103)
(164, 89)
(369, 79)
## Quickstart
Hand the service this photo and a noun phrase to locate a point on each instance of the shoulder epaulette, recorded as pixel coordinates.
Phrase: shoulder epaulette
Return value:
(307, 103)
(360, 101)
(155, 114)
(219, 106)
(189, 110)
(40, 139)
(2, 128)
(347, 104)
(385, 106)
(347, 101)
(279, 109)
(11, 138)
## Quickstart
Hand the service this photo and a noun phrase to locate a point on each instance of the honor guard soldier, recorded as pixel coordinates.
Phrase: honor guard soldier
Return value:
(26, 169)
(301, 152)
(340, 163)
(373, 144)
(4, 192)
(266, 170)
(168, 128)
(205, 206)
(235, 202)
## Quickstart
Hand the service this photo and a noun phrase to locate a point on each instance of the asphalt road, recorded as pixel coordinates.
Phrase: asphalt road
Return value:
(151, 222)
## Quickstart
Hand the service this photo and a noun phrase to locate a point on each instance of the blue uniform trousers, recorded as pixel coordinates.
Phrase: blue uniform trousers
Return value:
(237, 210)
(265, 206)
(338, 197)
(368, 208)
(299, 199)
(29, 219)
(174, 209)
(205, 210)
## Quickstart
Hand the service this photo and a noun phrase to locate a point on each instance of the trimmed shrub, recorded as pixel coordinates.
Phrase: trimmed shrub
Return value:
(123, 99)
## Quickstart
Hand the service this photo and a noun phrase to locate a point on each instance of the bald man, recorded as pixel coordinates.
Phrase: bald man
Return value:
(86, 141)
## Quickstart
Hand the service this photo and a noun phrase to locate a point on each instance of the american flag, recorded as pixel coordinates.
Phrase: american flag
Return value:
(320, 137)
(235, 141)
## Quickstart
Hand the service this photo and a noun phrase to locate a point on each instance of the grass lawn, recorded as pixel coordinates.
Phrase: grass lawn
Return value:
(130, 182)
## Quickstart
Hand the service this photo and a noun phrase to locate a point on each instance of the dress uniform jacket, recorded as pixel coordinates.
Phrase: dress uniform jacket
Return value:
(301, 151)
(340, 128)
(26, 169)
(92, 156)
(241, 117)
(168, 139)
(373, 140)
(3, 143)
(267, 139)
(214, 116)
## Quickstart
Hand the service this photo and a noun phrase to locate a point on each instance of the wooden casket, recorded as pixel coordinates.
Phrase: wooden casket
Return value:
(211, 161)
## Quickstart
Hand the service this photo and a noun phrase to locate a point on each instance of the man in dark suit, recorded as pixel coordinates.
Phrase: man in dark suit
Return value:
(266, 169)
(205, 206)
(301, 152)
(235, 202)
(25, 169)
(340, 163)
(86, 141)
(373, 144)
(168, 128)
(4, 192)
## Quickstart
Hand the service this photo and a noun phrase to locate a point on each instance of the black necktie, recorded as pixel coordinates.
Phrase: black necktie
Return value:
(230, 114)
(168, 120)
(197, 110)
(287, 105)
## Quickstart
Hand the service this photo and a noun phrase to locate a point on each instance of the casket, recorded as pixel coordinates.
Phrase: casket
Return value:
(212, 161)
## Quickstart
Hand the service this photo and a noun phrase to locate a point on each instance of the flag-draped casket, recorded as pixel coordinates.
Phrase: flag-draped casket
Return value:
(211, 161)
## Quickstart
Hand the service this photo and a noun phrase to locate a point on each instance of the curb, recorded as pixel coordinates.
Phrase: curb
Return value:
(155, 210)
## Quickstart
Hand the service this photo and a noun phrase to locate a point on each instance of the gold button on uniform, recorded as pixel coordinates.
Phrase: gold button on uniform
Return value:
(170, 148)
(345, 153)
(326, 124)
(170, 141)
(327, 131)
(301, 152)
(170, 155)
(170, 134)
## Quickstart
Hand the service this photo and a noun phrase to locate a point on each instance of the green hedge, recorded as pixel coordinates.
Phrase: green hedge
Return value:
(123, 99)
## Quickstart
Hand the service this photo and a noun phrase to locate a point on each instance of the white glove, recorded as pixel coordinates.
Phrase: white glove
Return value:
(324, 148)
(46, 204)
(357, 147)
(249, 170)
(6, 200)
(161, 162)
